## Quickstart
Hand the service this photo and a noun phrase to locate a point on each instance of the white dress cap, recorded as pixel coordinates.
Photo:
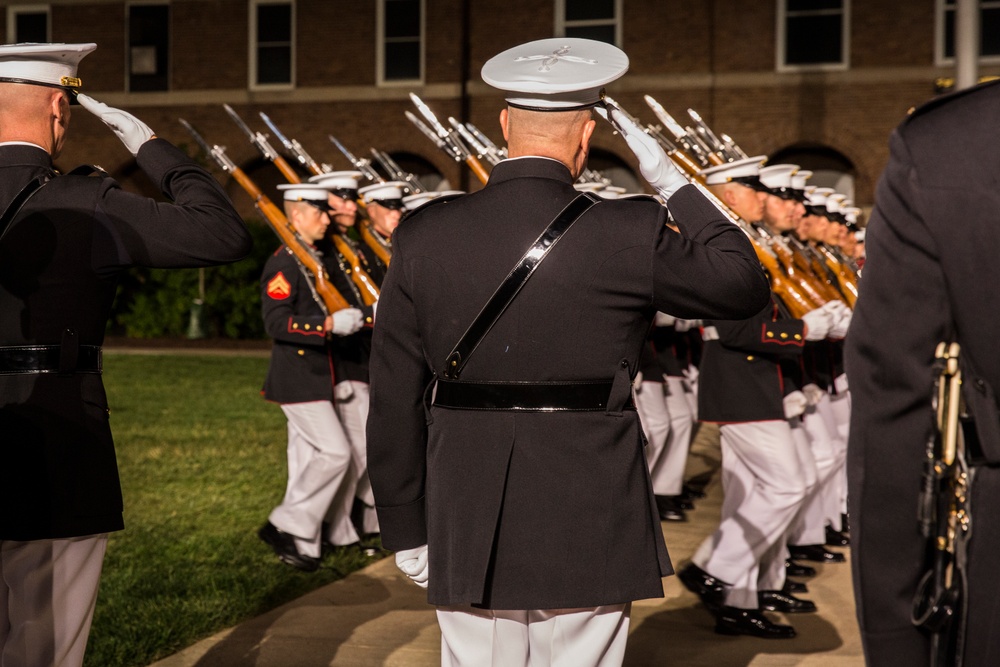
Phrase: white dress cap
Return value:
(338, 180)
(557, 74)
(743, 171)
(778, 176)
(817, 197)
(834, 202)
(303, 191)
(51, 65)
(799, 179)
(389, 193)
(852, 213)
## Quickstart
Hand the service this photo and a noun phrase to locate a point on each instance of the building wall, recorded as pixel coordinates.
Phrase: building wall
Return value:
(715, 56)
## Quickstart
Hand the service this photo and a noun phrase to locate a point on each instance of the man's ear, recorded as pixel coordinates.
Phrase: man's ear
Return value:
(588, 132)
(58, 104)
(504, 119)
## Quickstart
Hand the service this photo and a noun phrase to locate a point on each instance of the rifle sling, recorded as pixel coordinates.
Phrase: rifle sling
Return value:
(515, 280)
(20, 199)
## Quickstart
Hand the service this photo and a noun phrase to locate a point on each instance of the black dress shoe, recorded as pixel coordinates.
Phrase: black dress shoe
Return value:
(283, 545)
(712, 591)
(669, 510)
(734, 621)
(794, 587)
(793, 569)
(691, 493)
(816, 553)
(786, 603)
(835, 538)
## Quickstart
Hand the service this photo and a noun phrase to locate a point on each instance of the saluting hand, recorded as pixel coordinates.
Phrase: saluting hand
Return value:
(654, 164)
(132, 131)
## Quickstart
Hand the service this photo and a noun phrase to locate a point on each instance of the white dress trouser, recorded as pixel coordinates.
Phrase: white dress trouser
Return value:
(810, 526)
(836, 413)
(48, 589)
(651, 405)
(668, 422)
(590, 637)
(763, 489)
(319, 459)
(352, 408)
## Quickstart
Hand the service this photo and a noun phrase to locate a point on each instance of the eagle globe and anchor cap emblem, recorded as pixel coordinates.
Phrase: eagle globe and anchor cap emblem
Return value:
(557, 74)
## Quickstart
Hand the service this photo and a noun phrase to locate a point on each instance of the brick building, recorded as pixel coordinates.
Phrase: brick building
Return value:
(818, 82)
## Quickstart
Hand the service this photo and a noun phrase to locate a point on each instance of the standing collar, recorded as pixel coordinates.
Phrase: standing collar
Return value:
(530, 166)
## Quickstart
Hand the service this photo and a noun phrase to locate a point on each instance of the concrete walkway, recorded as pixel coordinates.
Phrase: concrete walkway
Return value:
(377, 617)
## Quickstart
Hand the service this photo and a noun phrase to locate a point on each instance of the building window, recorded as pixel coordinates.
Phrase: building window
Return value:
(272, 43)
(148, 44)
(813, 34)
(27, 23)
(400, 55)
(989, 31)
(590, 19)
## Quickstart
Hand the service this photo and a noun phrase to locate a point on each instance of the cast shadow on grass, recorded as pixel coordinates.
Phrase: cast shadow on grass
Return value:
(312, 629)
(686, 636)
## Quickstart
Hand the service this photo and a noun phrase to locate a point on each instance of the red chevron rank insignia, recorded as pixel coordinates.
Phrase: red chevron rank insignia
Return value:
(278, 287)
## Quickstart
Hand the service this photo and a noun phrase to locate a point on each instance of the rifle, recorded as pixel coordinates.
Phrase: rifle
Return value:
(263, 145)
(362, 165)
(458, 150)
(328, 297)
(364, 283)
(396, 172)
(945, 517)
(295, 148)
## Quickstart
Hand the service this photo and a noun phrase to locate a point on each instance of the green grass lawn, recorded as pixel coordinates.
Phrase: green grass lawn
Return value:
(202, 462)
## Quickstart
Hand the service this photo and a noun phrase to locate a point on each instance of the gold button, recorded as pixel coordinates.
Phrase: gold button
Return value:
(770, 334)
(798, 337)
(301, 352)
(368, 320)
(784, 335)
(749, 357)
(319, 328)
(295, 325)
(306, 327)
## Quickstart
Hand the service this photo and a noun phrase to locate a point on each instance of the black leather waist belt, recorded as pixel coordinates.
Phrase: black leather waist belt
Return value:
(25, 359)
(526, 396)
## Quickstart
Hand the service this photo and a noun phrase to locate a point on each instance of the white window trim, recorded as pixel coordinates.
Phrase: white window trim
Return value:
(14, 10)
(252, 53)
(780, 42)
(380, 42)
(939, 58)
(128, 46)
(561, 24)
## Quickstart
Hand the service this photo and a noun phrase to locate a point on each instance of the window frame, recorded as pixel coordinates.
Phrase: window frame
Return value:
(253, 46)
(380, 42)
(33, 8)
(128, 45)
(561, 23)
(781, 40)
(940, 10)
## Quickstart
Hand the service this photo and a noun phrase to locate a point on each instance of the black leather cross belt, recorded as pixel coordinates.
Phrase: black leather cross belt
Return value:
(26, 359)
(525, 396)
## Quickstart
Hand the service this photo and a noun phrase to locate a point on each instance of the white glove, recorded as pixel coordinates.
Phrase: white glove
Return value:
(795, 404)
(654, 164)
(132, 131)
(818, 323)
(680, 326)
(691, 374)
(413, 563)
(836, 306)
(841, 325)
(347, 321)
(664, 320)
(840, 383)
(813, 393)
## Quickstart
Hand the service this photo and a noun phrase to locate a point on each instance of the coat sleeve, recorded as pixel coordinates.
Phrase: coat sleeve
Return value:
(710, 269)
(198, 227)
(763, 334)
(397, 425)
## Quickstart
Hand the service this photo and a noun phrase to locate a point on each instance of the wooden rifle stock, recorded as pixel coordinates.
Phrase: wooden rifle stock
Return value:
(477, 168)
(332, 299)
(368, 236)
